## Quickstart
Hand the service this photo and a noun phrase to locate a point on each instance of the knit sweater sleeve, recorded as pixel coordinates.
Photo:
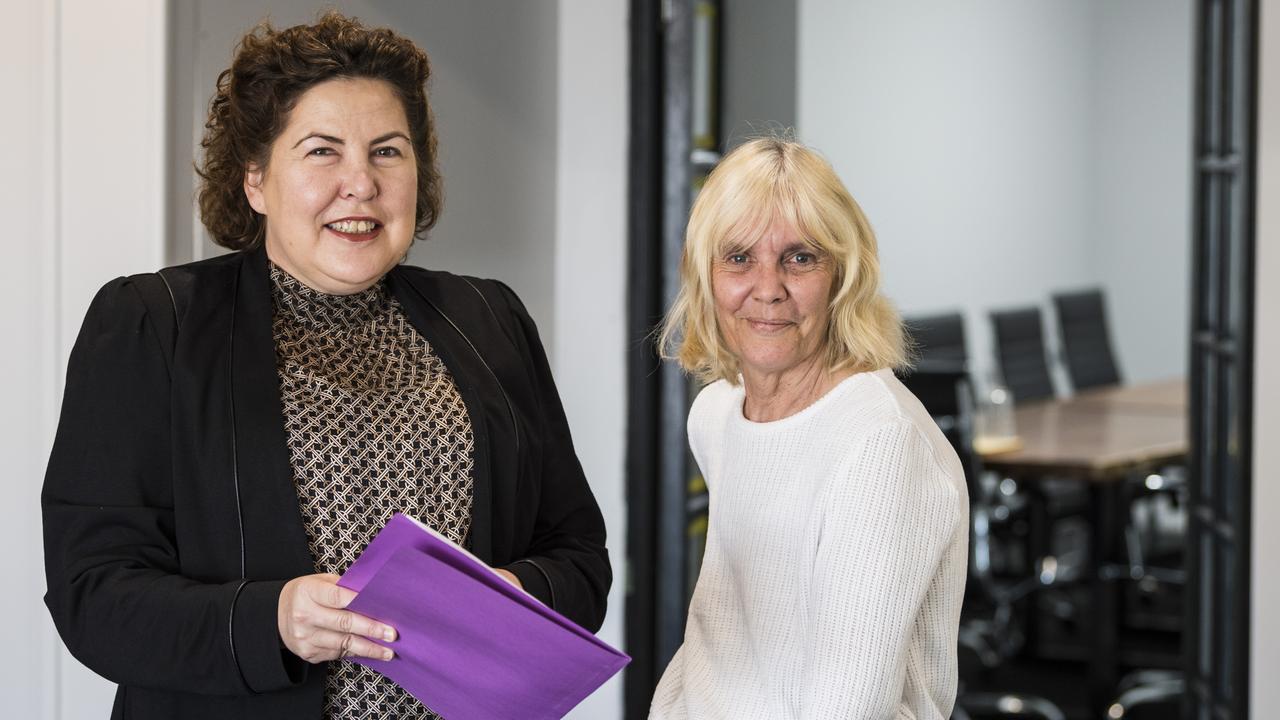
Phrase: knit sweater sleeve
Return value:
(889, 516)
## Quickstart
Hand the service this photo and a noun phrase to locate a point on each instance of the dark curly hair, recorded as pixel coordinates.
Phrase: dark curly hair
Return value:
(271, 70)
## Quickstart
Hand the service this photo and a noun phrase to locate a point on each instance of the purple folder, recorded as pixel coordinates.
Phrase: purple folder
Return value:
(470, 645)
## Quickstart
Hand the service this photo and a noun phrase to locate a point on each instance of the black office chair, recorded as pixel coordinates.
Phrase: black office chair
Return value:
(1152, 601)
(1149, 695)
(941, 359)
(938, 339)
(1024, 365)
(1005, 706)
(1153, 597)
(1086, 342)
(1155, 538)
(1019, 336)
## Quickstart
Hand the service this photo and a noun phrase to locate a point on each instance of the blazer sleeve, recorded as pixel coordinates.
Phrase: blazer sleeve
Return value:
(115, 588)
(567, 566)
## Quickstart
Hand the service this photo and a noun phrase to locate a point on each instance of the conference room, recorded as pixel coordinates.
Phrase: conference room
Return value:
(1044, 181)
(1043, 184)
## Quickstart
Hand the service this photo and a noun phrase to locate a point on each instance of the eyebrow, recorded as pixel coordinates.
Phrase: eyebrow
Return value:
(802, 245)
(742, 246)
(340, 141)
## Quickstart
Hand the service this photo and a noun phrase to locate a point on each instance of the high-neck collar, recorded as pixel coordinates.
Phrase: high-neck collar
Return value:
(323, 311)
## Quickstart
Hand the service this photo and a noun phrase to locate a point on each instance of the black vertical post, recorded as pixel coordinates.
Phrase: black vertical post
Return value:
(677, 177)
(644, 310)
(1216, 631)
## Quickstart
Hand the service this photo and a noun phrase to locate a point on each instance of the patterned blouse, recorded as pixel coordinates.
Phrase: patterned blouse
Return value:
(375, 425)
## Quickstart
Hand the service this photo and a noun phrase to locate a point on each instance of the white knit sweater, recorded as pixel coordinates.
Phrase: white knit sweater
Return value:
(835, 562)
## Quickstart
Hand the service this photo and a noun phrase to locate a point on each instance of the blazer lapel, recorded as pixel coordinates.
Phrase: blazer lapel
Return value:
(276, 543)
(444, 324)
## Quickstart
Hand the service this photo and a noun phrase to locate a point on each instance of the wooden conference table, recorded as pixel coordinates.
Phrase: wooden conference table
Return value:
(1102, 437)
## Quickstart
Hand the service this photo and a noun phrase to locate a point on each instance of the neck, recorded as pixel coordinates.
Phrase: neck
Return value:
(773, 396)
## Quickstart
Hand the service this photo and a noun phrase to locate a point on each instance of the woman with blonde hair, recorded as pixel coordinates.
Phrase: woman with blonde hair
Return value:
(836, 551)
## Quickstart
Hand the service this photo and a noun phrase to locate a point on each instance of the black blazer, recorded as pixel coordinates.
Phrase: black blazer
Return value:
(171, 522)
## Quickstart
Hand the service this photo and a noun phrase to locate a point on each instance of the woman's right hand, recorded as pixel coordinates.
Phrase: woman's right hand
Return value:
(315, 625)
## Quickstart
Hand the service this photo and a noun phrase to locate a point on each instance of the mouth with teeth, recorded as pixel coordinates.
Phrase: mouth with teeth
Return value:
(355, 230)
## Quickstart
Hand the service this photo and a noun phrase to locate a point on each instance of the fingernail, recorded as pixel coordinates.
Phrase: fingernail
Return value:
(387, 654)
(388, 634)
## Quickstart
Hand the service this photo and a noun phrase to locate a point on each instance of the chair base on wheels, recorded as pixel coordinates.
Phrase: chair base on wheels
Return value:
(1007, 706)
(1148, 694)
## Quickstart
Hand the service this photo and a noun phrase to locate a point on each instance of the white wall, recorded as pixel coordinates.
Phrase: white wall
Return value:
(972, 168)
(85, 177)
(1007, 149)
(591, 284)
(1264, 633)
(111, 190)
(1141, 182)
(758, 47)
(29, 313)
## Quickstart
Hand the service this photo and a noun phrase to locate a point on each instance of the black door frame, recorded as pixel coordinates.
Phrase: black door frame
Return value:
(660, 504)
(644, 311)
(1216, 636)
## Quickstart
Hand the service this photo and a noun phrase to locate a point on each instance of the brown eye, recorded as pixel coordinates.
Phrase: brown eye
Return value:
(804, 260)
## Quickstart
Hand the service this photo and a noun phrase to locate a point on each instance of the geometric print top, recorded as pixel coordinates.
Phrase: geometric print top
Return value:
(375, 425)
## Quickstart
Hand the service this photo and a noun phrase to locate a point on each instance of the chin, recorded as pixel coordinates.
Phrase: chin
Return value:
(768, 366)
(360, 270)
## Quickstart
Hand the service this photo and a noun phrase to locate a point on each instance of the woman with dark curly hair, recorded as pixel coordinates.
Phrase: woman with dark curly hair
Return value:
(235, 431)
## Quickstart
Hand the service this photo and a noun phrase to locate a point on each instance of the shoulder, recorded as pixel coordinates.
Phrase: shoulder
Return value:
(435, 278)
(211, 280)
(486, 312)
(218, 266)
(710, 413)
(707, 422)
(440, 286)
(443, 280)
(878, 399)
(714, 402)
(129, 296)
(890, 427)
(116, 306)
(118, 330)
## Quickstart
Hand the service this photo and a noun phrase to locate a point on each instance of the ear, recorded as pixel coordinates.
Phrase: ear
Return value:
(253, 188)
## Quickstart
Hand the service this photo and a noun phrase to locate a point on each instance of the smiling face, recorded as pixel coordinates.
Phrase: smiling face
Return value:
(772, 304)
(340, 189)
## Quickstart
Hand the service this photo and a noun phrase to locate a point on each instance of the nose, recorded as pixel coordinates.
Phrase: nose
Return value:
(770, 286)
(359, 182)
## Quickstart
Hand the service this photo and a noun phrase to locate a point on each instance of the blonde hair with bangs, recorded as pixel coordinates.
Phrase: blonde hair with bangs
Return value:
(762, 182)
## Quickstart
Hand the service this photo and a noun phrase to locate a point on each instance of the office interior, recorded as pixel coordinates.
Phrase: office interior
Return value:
(1011, 156)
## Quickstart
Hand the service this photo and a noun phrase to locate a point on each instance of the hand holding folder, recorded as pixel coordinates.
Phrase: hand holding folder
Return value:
(470, 644)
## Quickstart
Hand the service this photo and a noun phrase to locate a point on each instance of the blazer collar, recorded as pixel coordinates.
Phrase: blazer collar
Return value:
(267, 497)
(434, 314)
